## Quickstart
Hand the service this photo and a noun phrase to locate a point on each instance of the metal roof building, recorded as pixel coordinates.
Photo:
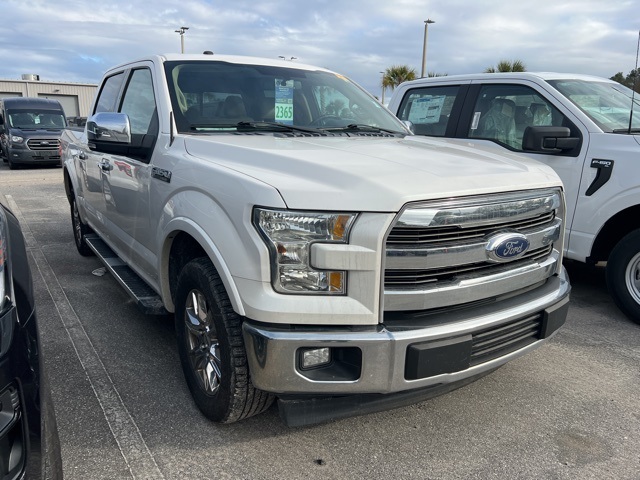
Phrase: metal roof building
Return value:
(75, 98)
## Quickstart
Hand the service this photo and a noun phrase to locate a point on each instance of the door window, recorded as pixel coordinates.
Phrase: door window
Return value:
(429, 109)
(503, 112)
(139, 102)
(109, 93)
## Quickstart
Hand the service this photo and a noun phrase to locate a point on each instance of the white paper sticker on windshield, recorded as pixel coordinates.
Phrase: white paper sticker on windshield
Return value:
(284, 102)
(475, 121)
(426, 110)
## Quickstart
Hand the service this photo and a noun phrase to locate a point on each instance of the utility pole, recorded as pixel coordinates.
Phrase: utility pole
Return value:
(182, 31)
(424, 47)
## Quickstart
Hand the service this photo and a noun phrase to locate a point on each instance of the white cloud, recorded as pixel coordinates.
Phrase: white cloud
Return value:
(359, 38)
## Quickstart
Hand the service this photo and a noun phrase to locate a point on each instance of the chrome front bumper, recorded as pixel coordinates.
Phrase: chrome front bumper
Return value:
(376, 358)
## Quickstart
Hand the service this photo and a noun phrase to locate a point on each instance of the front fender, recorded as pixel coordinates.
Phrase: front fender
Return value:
(225, 234)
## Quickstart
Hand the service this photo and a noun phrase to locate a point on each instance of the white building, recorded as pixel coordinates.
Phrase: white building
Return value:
(75, 98)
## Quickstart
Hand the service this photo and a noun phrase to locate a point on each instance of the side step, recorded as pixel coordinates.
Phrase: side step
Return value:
(147, 300)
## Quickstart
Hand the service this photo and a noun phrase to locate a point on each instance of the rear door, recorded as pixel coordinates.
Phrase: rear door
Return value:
(88, 158)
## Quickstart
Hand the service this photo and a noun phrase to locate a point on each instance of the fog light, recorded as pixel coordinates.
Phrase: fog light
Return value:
(315, 357)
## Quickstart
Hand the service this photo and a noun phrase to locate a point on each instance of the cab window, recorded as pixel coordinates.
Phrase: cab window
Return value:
(109, 93)
(139, 102)
(429, 109)
(503, 112)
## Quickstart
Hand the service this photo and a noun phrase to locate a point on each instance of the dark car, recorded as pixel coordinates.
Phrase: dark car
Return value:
(30, 131)
(29, 444)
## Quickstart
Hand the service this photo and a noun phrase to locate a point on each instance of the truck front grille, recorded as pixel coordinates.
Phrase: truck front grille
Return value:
(443, 253)
(39, 144)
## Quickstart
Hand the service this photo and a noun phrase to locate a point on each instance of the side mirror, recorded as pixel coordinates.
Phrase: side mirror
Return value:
(109, 128)
(548, 139)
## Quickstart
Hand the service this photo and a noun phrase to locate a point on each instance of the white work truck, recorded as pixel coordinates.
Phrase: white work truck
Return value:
(584, 127)
(311, 248)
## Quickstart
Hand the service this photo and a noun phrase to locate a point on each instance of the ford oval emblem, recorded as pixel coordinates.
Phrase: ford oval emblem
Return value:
(508, 246)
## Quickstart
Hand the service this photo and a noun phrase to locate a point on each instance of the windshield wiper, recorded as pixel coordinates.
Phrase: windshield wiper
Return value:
(626, 130)
(280, 127)
(357, 127)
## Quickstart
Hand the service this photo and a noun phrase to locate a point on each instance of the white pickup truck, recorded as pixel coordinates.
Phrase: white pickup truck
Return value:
(583, 127)
(309, 246)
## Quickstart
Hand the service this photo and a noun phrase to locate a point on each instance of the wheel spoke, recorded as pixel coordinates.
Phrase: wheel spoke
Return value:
(632, 277)
(202, 342)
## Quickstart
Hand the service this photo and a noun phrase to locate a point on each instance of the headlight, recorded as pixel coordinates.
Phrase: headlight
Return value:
(6, 284)
(289, 236)
(16, 139)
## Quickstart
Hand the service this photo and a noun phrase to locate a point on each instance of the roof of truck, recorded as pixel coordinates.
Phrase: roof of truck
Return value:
(535, 76)
(239, 59)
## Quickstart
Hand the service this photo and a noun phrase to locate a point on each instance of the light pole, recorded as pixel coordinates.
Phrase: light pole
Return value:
(424, 47)
(182, 31)
(383, 88)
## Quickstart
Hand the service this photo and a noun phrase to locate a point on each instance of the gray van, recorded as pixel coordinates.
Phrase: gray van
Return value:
(30, 131)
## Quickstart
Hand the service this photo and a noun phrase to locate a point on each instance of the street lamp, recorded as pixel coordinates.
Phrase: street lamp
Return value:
(424, 47)
(182, 31)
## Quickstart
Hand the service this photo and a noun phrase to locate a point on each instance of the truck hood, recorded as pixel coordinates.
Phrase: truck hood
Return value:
(37, 132)
(369, 173)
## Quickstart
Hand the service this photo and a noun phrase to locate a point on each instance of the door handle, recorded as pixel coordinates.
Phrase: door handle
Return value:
(105, 165)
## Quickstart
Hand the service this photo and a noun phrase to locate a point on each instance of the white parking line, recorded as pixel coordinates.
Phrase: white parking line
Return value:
(132, 446)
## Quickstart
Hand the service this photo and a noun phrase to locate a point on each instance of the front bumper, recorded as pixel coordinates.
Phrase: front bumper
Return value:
(446, 348)
(33, 157)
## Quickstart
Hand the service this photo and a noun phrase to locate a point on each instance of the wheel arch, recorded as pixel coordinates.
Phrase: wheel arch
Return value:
(185, 242)
(621, 224)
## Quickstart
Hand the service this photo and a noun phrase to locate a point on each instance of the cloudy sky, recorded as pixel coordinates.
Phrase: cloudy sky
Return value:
(77, 40)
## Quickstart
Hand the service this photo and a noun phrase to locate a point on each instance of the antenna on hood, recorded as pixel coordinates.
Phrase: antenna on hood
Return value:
(635, 81)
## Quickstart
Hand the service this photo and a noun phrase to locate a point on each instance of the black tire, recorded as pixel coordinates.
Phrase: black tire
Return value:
(623, 275)
(12, 166)
(209, 335)
(80, 230)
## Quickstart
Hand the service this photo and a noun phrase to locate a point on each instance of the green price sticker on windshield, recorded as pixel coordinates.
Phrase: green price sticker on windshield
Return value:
(284, 112)
(284, 102)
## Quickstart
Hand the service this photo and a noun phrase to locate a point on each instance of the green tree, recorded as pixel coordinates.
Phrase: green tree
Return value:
(435, 74)
(631, 80)
(395, 75)
(507, 66)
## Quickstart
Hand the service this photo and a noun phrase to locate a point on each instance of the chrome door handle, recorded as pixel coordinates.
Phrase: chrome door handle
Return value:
(105, 165)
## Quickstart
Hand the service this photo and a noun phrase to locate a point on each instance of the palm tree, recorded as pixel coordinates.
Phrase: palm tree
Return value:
(507, 66)
(395, 75)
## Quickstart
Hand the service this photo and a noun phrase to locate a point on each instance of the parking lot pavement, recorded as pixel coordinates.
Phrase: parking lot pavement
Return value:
(568, 410)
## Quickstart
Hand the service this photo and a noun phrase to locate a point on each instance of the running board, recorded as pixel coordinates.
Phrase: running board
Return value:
(147, 300)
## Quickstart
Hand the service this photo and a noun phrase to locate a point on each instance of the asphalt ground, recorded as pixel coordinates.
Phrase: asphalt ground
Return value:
(569, 410)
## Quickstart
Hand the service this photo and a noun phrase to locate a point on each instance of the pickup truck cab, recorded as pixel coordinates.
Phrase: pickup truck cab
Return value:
(581, 126)
(309, 247)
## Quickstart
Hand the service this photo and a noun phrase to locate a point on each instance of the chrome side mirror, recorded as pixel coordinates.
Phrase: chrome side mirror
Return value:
(109, 127)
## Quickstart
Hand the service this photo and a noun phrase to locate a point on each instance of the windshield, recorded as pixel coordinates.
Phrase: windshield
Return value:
(33, 119)
(607, 104)
(210, 97)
